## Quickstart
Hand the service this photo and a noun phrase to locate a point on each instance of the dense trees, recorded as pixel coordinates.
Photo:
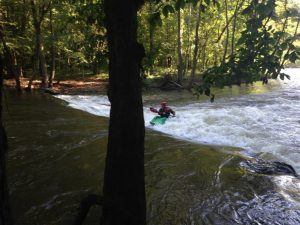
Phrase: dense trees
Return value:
(69, 37)
(43, 36)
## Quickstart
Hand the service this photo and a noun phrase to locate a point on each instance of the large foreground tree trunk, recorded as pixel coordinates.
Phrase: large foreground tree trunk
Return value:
(5, 213)
(124, 187)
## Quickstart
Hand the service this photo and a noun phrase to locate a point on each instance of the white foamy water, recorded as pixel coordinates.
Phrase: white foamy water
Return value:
(267, 124)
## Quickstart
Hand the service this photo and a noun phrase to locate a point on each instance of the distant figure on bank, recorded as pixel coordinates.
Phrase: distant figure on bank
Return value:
(164, 111)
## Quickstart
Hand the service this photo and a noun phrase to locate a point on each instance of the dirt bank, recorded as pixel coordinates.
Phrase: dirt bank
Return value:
(70, 87)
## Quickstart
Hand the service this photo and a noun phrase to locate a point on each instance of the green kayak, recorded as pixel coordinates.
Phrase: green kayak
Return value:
(158, 120)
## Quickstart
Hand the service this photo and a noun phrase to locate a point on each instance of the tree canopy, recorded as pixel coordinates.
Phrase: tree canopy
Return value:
(203, 42)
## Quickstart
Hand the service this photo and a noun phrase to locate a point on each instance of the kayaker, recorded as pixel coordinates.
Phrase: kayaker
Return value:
(164, 111)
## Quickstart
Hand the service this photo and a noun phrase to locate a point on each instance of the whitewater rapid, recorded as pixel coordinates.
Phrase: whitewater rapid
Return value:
(265, 124)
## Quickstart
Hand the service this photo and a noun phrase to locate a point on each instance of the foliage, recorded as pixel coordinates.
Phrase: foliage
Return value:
(262, 50)
(261, 38)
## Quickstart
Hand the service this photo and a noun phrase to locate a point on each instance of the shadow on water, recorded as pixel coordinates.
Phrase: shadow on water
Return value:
(57, 156)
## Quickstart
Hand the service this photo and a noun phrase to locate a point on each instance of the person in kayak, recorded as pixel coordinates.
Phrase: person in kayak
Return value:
(164, 111)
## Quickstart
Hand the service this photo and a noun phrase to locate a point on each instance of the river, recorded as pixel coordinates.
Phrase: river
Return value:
(194, 172)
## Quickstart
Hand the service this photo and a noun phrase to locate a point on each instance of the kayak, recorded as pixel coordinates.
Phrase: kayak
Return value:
(158, 120)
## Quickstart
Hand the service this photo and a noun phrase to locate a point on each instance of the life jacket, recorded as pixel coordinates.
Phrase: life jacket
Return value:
(165, 112)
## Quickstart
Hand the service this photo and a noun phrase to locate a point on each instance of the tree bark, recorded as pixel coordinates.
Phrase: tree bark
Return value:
(5, 212)
(151, 42)
(227, 32)
(229, 21)
(196, 43)
(10, 59)
(124, 186)
(187, 56)
(234, 28)
(37, 21)
(42, 61)
(52, 67)
(179, 53)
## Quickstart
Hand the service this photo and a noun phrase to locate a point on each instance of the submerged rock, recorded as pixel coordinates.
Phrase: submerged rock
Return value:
(269, 167)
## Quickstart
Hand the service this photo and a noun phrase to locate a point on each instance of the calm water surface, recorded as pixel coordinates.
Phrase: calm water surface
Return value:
(193, 163)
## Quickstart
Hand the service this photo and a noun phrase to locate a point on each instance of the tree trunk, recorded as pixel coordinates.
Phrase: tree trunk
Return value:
(187, 57)
(203, 47)
(124, 186)
(11, 64)
(37, 21)
(10, 60)
(5, 212)
(41, 57)
(180, 60)
(151, 41)
(229, 21)
(52, 67)
(34, 69)
(196, 43)
(234, 28)
(227, 32)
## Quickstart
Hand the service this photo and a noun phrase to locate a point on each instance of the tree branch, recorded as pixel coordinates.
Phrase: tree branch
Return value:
(229, 21)
(85, 206)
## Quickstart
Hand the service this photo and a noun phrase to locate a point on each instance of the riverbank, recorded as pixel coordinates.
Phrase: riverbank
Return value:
(88, 86)
(94, 85)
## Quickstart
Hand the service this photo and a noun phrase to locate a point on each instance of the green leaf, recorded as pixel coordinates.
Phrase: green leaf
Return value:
(207, 2)
(284, 46)
(179, 4)
(241, 40)
(282, 75)
(293, 57)
(247, 10)
(155, 19)
(168, 9)
(291, 46)
(216, 3)
(286, 56)
(202, 8)
(207, 92)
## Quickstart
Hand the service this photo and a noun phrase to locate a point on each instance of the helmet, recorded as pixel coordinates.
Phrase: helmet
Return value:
(163, 103)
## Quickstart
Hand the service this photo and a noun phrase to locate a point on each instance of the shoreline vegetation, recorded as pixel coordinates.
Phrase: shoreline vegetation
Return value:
(98, 84)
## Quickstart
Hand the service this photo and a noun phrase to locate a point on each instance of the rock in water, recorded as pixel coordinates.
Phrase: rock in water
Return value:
(269, 167)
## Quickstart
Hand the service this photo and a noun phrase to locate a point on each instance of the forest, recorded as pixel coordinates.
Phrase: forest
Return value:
(181, 44)
(183, 40)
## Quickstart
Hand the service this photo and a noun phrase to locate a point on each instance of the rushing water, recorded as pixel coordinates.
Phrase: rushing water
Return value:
(260, 123)
(193, 164)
